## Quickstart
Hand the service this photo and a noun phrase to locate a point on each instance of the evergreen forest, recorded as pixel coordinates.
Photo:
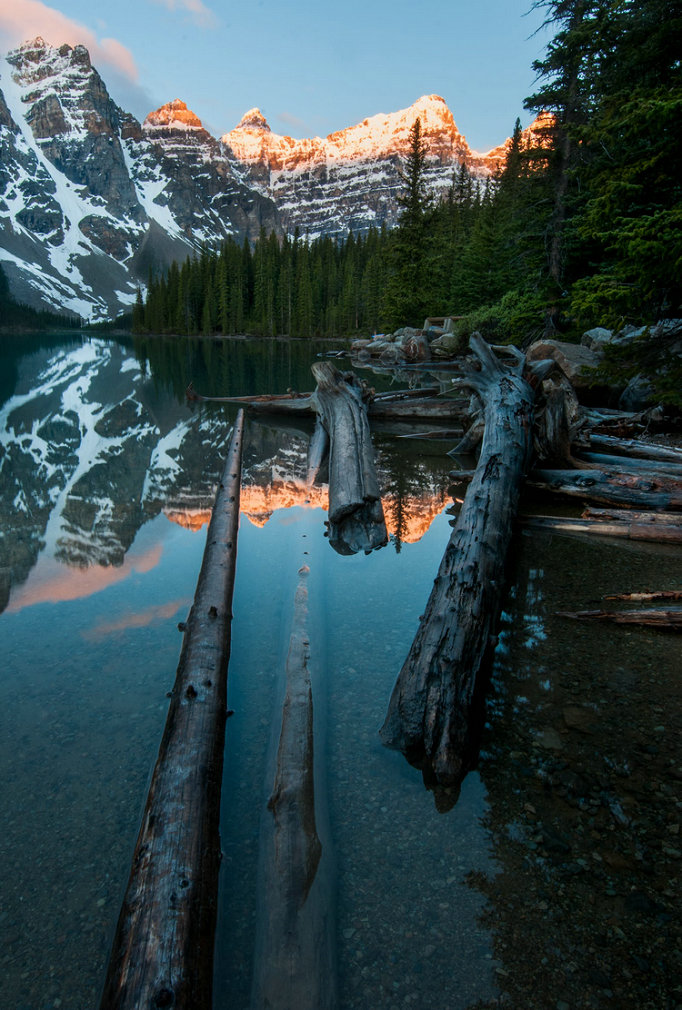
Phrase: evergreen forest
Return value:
(582, 227)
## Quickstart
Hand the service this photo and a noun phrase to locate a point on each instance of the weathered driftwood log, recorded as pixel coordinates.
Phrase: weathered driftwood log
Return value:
(611, 488)
(428, 716)
(623, 424)
(629, 464)
(295, 954)
(632, 447)
(670, 618)
(162, 954)
(424, 405)
(628, 530)
(633, 516)
(356, 515)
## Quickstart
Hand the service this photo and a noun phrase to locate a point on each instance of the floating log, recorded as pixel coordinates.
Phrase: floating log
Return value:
(429, 713)
(437, 433)
(630, 464)
(670, 618)
(633, 447)
(295, 952)
(162, 954)
(423, 405)
(356, 515)
(664, 533)
(611, 488)
(633, 516)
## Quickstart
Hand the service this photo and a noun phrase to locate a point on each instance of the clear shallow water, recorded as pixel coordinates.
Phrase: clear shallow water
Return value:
(555, 877)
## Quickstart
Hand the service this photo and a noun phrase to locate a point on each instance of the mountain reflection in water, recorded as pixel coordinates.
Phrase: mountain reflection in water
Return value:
(553, 882)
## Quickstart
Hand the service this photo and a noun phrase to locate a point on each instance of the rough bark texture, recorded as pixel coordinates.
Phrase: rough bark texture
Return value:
(356, 515)
(162, 955)
(634, 447)
(630, 464)
(634, 516)
(610, 488)
(429, 712)
(295, 956)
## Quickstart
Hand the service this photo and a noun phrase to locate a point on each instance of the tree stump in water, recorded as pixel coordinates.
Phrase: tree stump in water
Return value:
(356, 515)
(162, 955)
(429, 712)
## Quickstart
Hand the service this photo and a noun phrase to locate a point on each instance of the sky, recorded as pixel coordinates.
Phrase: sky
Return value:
(311, 68)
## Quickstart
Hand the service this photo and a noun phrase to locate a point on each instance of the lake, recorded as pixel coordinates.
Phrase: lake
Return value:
(551, 881)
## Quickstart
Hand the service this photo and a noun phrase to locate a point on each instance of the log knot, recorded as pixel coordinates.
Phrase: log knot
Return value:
(164, 998)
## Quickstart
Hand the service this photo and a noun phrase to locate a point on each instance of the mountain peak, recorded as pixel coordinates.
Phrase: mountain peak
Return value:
(175, 115)
(253, 120)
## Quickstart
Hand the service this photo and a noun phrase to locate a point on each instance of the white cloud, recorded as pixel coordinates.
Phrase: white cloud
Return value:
(22, 20)
(202, 15)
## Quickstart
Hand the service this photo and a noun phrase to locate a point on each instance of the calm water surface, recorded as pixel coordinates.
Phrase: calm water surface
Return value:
(552, 882)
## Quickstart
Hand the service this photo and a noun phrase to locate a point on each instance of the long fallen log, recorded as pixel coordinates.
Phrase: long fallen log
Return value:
(424, 405)
(611, 488)
(670, 618)
(295, 952)
(633, 516)
(356, 515)
(429, 712)
(632, 447)
(631, 464)
(664, 533)
(162, 954)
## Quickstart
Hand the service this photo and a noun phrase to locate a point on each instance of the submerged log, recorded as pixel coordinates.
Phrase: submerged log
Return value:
(429, 714)
(295, 953)
(670, 618)
(611, 488)
(162, 954)
(651, 597)
(356, 515)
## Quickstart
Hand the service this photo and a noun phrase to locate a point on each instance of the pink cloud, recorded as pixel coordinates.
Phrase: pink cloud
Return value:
(22, 20)
(199, 12)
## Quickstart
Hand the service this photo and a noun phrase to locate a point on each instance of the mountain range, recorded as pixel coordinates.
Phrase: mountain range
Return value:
(91, 199)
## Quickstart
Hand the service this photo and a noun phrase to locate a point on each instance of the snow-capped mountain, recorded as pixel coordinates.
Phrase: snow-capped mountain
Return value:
(90, 199)
(353, 177)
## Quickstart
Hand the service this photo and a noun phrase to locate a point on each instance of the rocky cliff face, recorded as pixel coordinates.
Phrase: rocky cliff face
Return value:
(352, 178)
(90, 199)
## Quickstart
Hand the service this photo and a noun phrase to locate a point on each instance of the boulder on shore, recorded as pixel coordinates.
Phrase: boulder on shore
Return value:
(577, 362)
